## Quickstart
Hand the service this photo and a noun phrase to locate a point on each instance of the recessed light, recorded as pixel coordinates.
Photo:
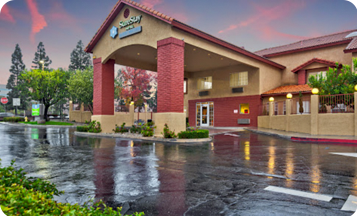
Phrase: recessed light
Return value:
(209, 54)
(221, 58)
(138, 53)
(194, 49)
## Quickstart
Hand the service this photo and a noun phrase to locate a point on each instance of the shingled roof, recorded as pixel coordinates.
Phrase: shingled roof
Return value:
(309, 44)
(314, 60)
(175, 23)
(352, 47)
(282, 90)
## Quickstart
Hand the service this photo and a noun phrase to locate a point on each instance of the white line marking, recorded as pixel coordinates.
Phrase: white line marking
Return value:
(350, 204)
(345, 154)
(309, 195)
(233, 135)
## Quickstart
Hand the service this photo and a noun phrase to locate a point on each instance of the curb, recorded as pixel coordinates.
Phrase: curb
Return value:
(39, 126)
(153, 139)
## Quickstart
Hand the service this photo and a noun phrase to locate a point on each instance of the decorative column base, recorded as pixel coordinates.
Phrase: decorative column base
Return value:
(175, 121)
(107, 122)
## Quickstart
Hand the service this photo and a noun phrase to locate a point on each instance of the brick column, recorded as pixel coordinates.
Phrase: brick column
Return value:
(103, 84)
(170, 69)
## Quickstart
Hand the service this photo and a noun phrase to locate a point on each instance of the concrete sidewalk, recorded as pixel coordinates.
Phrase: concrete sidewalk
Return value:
(222, 130)
(301, 137)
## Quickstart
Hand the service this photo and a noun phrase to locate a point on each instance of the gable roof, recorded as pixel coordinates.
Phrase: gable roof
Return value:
(175, 23)
(309, 44)
(282, 90)
(352, 47)
(314, 60)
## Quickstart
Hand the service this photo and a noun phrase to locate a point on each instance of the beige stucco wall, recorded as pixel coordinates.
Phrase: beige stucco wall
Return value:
(293, 60)
(124, 117)
(80, 116)
(278, 122)
(336, 124)
(175, 121)
(263, 121)
(300, 123)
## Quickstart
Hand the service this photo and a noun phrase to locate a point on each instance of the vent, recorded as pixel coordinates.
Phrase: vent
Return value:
(237, 90)
(353, 34)
(244, 121)
(203, 93)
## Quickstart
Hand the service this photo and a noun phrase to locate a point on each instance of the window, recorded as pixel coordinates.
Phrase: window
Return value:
(317, 75)
(305, 105)
(238, 79)
(244, 108)
(204, 83)
(185, 86)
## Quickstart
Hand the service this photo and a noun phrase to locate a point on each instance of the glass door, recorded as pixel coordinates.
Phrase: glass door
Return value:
(204, 115)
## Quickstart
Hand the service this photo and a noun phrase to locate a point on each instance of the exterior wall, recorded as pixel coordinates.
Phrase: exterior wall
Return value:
(278, 122)
(293, 60)
(300, 123)
(80, 116)
(302, 77)
(341, 124)
(263, 121)
(224, 115)
(121, 117)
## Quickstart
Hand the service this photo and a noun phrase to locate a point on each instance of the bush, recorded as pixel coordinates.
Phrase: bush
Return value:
(167, 133)
(95, 127)
(82, 128)
(21, 195)
(135, 129)
(150, 124)
(14, 119)
(148, 131)
(197, 134)
(120, 129)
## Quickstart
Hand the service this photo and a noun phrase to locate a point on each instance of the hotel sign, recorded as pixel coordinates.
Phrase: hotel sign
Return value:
(129, 27)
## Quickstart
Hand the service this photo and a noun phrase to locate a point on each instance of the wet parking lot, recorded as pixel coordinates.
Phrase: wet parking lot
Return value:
(228, 176)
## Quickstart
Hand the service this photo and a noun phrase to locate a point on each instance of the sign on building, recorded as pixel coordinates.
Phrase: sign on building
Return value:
(16, 101)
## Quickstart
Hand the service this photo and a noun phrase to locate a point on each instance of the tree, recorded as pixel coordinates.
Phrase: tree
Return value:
(13, 82)
(118, 87)
(301, 107)
(40, 55)
(137, 84)
(80, 60)
(152, 102)
(335, 82)
(48, 87)
(80, 86)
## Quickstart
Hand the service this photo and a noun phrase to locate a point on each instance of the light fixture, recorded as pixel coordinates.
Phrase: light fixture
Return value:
(209, 54)
(289, 96)
(355, 87)
(94, 57)
(138, 53)
(221, 58)
(132, 103)
(316, 91)
(194, 49)
(271, 99)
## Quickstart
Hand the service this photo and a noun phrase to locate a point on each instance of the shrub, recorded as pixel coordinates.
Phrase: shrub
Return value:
(82, 128)
(150, 124)
(95, 127)
(197, 134)
(167, 133)
(120, 129)
(135, 129)
(87, 122)
(147, 131)
(21, 195)
(14, 119)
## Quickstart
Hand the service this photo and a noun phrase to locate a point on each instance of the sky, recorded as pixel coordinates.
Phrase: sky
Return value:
(253, 24)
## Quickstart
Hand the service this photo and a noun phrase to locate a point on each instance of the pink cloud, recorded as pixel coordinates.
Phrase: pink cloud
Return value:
(151, 3)
(6, 15)
(262, 19)
(38, 20)
(62, 17)
(170, 11)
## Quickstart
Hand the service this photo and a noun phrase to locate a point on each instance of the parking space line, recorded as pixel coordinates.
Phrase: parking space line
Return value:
(345, 154)
(309, 195)
(350, 204)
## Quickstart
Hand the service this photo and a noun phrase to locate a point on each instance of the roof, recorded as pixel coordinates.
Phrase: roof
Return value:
(288, 89)
(175, 23)
(352, 47)
(309, 44)
(314, 60)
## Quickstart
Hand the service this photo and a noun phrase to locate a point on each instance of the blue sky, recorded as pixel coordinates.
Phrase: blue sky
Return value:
(254, 24)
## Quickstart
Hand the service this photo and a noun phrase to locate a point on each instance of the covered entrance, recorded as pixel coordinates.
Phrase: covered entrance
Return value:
(205, 114)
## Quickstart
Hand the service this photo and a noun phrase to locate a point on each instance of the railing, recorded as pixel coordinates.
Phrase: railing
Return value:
(76, 107)
(343, 103)
(122, 108)
(279, 108)
(303, 107)
(264, 110)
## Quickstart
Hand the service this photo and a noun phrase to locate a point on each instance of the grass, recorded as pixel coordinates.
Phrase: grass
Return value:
(49, 123)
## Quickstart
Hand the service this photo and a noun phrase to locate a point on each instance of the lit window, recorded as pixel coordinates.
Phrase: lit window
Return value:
(204, 83)
(238, 79)
(244, 108)
(185, 86)
(317, 75)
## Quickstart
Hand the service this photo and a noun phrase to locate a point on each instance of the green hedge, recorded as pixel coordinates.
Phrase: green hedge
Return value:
(21, 195)
(197, 134)
(14, 119)
(83, 128)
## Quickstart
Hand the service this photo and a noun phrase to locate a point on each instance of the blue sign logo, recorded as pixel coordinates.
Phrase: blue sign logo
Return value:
(114, 32)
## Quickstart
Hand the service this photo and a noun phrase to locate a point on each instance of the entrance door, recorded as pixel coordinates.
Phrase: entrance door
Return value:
(204, 115)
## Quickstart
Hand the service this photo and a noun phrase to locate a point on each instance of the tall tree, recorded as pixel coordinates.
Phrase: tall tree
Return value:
(80, 60)
(40, 55)
(13, 82)
(49, 87)
(80, 87)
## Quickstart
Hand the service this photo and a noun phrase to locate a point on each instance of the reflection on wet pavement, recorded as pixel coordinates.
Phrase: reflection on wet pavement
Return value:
(224, 177)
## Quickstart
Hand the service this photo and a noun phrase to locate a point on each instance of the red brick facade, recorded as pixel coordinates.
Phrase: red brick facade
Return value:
(302, 77)
(103, 87)
(170, 70)
(224, 115)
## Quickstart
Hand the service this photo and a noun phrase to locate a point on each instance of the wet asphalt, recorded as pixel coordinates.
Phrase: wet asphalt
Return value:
(224, 177)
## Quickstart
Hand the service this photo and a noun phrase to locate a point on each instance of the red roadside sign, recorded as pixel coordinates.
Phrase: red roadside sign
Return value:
(4, 100)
